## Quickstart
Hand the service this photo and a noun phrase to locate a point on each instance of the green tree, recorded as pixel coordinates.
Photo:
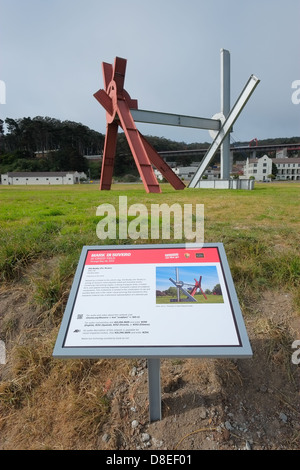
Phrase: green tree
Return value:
(94, 169)
(274, 170)
(217, 290)
(61, 145)
(172, 291)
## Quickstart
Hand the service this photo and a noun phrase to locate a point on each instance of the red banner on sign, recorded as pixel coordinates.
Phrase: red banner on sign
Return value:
(155, 255)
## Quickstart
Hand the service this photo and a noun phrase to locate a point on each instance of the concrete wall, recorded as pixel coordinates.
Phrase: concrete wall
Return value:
(226, 184)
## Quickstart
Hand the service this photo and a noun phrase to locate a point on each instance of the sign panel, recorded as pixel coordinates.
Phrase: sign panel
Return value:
(153, 301)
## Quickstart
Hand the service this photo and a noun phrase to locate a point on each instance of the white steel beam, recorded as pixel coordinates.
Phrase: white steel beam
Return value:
(225, 110)
(167, 119)
(225, 128)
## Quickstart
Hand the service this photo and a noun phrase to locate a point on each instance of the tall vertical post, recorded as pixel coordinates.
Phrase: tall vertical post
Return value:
(154, 389)
(225, 110)
(177, 280)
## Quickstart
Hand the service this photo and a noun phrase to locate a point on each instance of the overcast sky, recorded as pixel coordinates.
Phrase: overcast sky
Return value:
(51, 53)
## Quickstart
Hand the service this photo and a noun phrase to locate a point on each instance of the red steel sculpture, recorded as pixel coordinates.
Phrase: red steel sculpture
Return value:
(196, 287)
(117, 103)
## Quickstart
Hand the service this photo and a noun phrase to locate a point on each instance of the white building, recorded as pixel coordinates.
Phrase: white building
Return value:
(259, 168)
(43, 177)
(288, 168)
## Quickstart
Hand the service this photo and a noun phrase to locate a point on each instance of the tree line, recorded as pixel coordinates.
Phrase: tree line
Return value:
(48, 144)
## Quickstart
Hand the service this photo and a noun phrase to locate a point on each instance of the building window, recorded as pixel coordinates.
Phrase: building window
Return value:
(264, 164)
(264, 171)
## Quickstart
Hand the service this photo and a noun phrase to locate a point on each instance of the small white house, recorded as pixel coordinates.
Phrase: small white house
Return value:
(42, 177)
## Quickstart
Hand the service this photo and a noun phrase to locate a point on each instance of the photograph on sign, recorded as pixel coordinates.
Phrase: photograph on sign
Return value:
(195, 284)
(154, 298)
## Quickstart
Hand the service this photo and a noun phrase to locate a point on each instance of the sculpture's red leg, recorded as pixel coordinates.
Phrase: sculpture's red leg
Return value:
(109, 153)
(137, 148)
(203, 293)
(162, 166)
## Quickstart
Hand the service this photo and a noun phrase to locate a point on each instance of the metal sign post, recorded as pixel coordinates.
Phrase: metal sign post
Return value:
(154, 389)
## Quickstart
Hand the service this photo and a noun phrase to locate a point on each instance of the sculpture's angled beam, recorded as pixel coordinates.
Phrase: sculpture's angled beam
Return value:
(107, 71)
(226, 127)
(119, 75)
(109, 153)
(105, 101)
(162, 166)
(132, 103)
(192, 299)
(137, 148)
(203, 293)
(168, 119)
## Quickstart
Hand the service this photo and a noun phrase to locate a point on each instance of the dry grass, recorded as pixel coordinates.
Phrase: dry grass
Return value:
(66, 399)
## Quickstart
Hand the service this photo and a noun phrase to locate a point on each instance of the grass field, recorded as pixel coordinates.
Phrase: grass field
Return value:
(259, 229)
(46, 403)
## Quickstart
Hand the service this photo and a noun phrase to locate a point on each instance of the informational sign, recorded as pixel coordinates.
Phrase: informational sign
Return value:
(153, 301)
